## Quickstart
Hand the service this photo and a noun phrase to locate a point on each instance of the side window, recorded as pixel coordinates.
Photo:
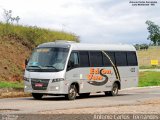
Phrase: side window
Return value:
(106, 61)
(96, 59)
(132, 59)
(84, 59)
(121, 58)
(73, 60)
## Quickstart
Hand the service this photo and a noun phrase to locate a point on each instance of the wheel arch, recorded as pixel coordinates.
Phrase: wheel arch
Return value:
(77, 86)
(119, 84)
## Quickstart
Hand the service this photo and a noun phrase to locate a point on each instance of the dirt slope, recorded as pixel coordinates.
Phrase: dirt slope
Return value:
(12, 56)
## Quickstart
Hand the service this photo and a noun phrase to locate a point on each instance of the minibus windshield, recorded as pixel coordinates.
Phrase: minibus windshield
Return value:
(48, 59)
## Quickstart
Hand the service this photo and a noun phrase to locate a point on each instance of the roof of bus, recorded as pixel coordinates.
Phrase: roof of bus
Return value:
(85, 46)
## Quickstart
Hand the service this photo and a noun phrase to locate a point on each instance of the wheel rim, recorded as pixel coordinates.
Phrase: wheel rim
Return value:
(72, 93)
(115, 90)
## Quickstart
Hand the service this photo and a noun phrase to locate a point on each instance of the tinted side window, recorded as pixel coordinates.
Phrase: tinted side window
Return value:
(121, 58)
(132, 59)
(73, 61)
(96, 59)
(84, 59)
(106, 61)
(74, 58)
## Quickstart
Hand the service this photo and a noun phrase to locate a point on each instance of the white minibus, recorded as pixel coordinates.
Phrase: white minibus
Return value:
(71, 69)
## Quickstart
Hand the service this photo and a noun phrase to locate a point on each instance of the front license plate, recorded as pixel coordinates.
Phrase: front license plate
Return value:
(38, 85)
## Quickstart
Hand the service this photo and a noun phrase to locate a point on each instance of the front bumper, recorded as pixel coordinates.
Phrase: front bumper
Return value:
(52, 88)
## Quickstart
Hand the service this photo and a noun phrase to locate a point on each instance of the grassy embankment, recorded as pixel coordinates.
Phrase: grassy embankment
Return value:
(144, 60)
(145, 57)
(149, 78)
(5, 84)
(16, 44)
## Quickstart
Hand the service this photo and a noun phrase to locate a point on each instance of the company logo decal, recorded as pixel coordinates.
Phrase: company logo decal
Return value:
(96, 76)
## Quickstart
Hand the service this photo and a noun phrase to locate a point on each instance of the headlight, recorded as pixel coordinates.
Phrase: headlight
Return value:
(26, 79)
(58, 80)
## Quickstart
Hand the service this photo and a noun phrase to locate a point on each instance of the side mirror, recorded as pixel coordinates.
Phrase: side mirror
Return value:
(70, 65)
(26, 62)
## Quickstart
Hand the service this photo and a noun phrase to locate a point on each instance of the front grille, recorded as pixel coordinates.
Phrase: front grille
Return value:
(44, 83)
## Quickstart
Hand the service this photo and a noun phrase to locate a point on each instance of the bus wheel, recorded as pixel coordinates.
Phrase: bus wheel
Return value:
(107, 93)
(114, 91)
(84, 95)
(71, 93)
(37, 96)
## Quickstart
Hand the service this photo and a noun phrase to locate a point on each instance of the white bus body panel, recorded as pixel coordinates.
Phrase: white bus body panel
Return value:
(128, 79)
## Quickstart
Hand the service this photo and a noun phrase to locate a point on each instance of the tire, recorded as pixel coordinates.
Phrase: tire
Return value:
(114, 91)
(37, 96)
(107, 93)
(84, 95)
(71, 93)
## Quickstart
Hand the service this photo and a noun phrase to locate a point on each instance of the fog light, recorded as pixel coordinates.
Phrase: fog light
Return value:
(57, 88)
(54, 88)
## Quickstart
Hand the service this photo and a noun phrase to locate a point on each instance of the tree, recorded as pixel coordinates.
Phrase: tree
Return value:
(154, 31)
(141, 46)
(9, 18)
(7, 15)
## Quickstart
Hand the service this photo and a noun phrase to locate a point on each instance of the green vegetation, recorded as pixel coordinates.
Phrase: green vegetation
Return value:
(5, 84)
(149, 67)
(154, 31)
(145, 57)
(33, 36)
(149, 79)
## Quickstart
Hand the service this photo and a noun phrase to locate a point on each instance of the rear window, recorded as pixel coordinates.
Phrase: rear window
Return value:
(132, 59)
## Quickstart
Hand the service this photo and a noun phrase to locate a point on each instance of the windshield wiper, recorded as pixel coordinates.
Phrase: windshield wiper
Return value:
(52, 67)
(35, 66)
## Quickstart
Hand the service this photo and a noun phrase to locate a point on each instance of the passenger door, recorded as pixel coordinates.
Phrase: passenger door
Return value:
(77, 69)
(72, 74)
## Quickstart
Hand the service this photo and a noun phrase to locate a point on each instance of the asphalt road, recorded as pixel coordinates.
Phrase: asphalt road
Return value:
(29, 105)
